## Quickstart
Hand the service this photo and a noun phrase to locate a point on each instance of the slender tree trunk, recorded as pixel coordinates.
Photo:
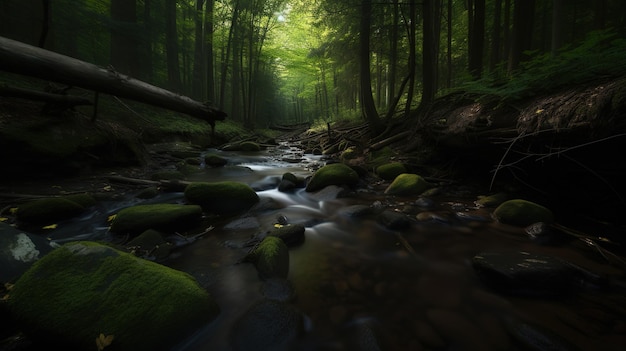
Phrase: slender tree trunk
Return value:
(449, 46)
(198, 75)
(208, 43)
(123, 44)
(507, 32)
(476, 12)
(171, 46)
(412, 54)
(496, 34)
(393, 64)
(368, 108)
(226, 59)
(146, 44)
(523, 15)
(45, 25)
(429, 54)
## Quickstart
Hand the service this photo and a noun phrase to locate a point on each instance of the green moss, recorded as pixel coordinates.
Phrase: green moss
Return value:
(225, 197)
(162, 217)
(213, 160)
(407, 184)
(349, 153)
(491, 200)
(271, 258)
(522, 213)
(333, 174)
(82, 289)
(48, 210)
(291, 234)
(380, 157)
(290, 177)
(389, 171)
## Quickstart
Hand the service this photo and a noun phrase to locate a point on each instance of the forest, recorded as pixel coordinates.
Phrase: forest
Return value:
(269, 62)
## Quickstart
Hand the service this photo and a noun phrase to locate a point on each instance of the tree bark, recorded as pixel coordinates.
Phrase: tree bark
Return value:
(367, 100)
(171, 46)
(429, 54)
(20, 58)
(63, 101)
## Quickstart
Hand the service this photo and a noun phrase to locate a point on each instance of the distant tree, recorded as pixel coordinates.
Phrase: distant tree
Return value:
(429, 53)
(123, 40)
(476, 36)
(523, 21)
(171, 46)
(368, 108)
(198, 76)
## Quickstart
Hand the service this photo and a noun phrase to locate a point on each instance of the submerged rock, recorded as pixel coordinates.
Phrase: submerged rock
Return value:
(522, 213)
(523, 273)
(18, 251)
(213, 160)
(84, 289)
(225, 197)
(150, 244)
(161, 217)
(407, 184)
(332, 174)
(267, 326)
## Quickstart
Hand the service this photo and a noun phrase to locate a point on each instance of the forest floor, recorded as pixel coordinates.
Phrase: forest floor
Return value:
(562, 149)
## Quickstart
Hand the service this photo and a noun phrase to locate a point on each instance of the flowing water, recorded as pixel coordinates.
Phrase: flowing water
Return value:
(362, 286)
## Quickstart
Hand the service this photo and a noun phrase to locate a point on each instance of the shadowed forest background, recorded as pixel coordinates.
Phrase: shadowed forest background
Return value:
(269, 62)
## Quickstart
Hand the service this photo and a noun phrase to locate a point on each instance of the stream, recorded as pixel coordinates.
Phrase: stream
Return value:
(363, 286)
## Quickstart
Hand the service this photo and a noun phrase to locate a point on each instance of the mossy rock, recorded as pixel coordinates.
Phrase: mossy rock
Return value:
(213, 160)
(84, 199)
(491, 200)
(332, 174)
(84, 289)
(407, 184)
(168, 175)
(225, 197)
(380, 157)
(522, 213)
(291, 234)
(349, 153)
(271, 258)
(162, 217)
(48, 210)
(389, 171)
(249, 146)
(148, 193)
(290, 177)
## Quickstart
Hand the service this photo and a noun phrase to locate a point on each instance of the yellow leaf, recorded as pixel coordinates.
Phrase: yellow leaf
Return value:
(111, 218)
(103, 341)
(8, 286)
(277, 225)
(107, 188)
(13, 210)
(539, 111)
(5, 298)
(51, 226)
(3, 219)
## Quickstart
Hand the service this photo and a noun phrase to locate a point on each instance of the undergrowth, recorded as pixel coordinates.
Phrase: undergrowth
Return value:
(600, 55)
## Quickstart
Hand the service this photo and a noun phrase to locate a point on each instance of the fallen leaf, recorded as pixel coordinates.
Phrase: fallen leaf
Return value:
(111, 218)
(103, 341)
(3, 219)
(51, 226)
(13, 210)
(539, 111)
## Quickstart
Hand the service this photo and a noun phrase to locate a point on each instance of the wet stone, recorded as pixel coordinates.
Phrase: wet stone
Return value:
(523, 273)
(394, 220)
(544, 234)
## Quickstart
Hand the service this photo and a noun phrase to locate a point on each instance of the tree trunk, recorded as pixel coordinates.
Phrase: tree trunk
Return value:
(208, 43)
(523, 16)
(429, 54)
(197, 77)
(496, 34)
(412, 54)
(558, 25)
(20, 58)
(123, 43)
(476, 42)
(368, 108)
(171, 46)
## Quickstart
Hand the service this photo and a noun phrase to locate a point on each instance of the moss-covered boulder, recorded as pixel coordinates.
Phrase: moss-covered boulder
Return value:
(332, 174)
(224, 198)
(291, 234)
(161, 217)
(522, 213)
(213, 160)
(249, 146)
(84, 199)
(407, 184)
(389, 171)
(271, 258)
(48, 210)
(83, 289)
(491, 200)
(349, 153)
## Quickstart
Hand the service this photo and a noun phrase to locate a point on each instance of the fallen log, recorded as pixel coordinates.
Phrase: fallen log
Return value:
(28, 60)
(56, 101)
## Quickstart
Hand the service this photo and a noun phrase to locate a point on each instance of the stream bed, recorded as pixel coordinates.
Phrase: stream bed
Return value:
(364, 285)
